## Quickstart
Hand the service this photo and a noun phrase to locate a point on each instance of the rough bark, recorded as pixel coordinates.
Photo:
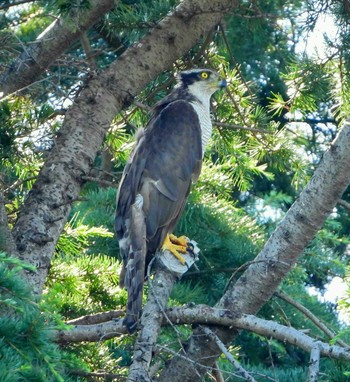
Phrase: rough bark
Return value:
(280, 253)
(51, 43)
(206, 315)
(314, 367)
(152, 316)
(59, 182)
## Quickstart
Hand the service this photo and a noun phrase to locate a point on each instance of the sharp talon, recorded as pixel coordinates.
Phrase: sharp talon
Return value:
(190, 248)
(176, 245)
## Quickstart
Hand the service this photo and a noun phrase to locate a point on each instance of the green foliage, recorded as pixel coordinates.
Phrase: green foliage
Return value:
(134, 18)
(27, 352)
(83, 284)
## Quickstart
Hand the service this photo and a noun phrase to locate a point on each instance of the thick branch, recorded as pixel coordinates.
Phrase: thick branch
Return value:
(206, 315)
(51, 43)
(314, 367)
(261, 279)
(59, 182)
(152, 316)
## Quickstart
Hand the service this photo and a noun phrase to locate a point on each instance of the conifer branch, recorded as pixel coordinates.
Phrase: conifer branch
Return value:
(51, 43)
(283, 296)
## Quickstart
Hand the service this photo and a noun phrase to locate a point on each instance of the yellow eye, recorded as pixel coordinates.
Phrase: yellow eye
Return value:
(204, 75)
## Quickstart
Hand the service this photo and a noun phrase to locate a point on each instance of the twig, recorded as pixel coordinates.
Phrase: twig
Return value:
(283, 296)
(241, 371)
(99, 180)
(18, 182)
(238, 127)
(98, 318)
(85, 43)
(179, 355)
(100, 374)
(142, 106)
(314, 367)
(344, 204)
(217, 374)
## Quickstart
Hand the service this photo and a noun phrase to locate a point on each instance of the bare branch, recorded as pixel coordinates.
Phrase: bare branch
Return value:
(151, 321)
(240, 370)
(310, 315)
(344, 204)
(100, 181)
(206, 315)
(85, 43)
(314, 367)
(98, 318)
(238, 127)
(90, 333)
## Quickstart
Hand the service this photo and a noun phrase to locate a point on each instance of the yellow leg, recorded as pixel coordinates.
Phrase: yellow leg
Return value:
(176, 245)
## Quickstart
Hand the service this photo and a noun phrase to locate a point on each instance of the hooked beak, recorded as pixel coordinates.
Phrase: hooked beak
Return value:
(222, 83)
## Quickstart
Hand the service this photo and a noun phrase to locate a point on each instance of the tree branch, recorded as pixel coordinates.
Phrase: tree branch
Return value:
(51, 43)
(283, 296)
(96, 318)
(152, 316)
(240, 370)
(206, 315)
(230, 126)
(344, 204)
(257, 284)
(314, 367)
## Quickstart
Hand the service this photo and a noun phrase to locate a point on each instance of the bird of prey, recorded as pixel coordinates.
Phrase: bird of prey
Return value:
(165, 161)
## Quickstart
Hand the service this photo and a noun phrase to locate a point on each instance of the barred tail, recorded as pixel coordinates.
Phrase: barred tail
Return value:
(135, 267)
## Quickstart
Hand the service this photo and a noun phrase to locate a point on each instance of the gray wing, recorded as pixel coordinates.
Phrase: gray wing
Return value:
(165, 161)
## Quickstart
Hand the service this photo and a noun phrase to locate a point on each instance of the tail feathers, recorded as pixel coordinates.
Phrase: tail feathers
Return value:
(135, 266)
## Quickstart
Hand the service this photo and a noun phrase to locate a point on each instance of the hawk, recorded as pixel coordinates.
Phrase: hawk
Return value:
(157, 178)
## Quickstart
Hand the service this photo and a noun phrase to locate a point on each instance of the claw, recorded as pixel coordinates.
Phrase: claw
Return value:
(176, 245)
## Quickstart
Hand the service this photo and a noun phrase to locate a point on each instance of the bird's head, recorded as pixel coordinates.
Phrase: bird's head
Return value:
(201, 81)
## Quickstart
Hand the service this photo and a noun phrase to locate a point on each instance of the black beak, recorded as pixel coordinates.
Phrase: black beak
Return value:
(223, 84)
